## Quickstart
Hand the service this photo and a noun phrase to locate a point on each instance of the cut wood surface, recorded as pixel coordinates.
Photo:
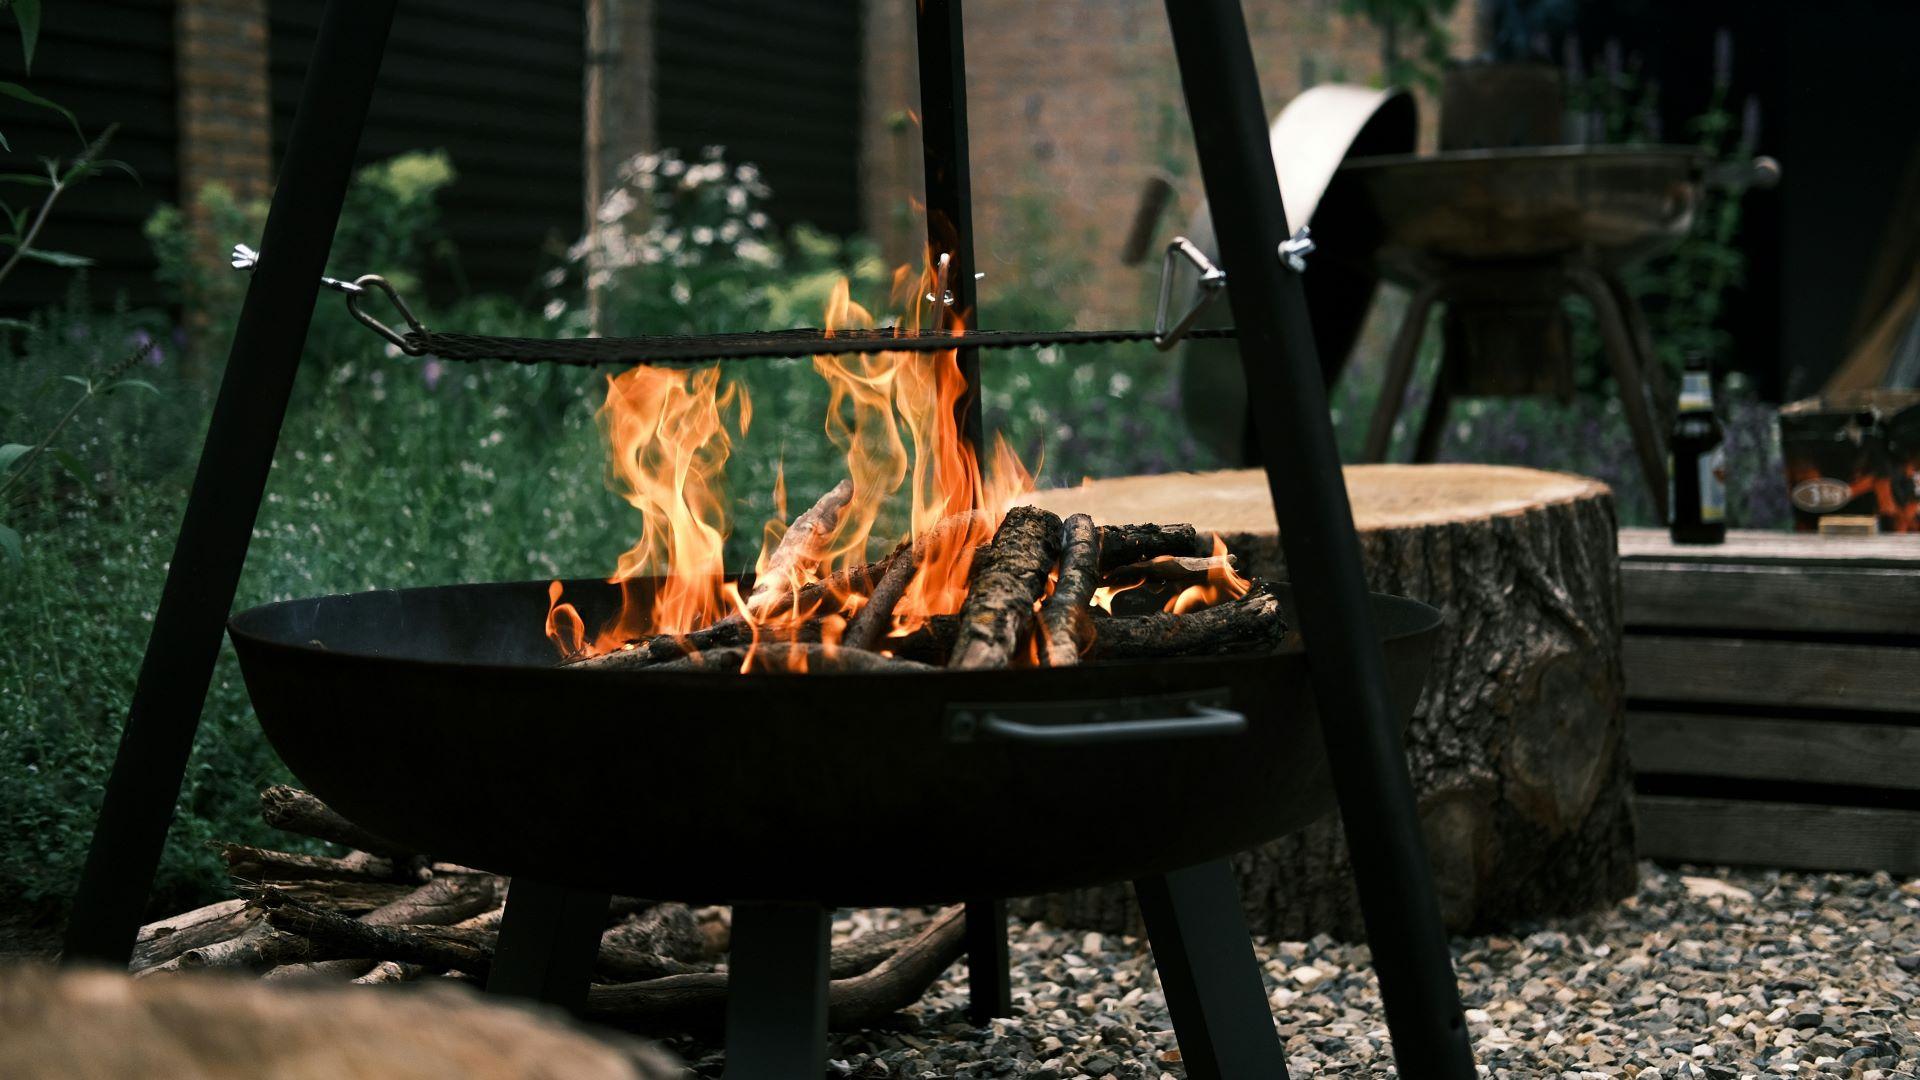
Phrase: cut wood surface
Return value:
(1516, 747)
(1805, 750)
(1792, 835)
(1776, 673)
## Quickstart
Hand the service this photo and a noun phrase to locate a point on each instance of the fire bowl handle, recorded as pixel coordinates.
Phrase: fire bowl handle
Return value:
(1096, 723)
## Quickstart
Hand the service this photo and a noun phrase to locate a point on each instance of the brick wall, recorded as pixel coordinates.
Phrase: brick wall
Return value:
(1072, 107)
(226, 136)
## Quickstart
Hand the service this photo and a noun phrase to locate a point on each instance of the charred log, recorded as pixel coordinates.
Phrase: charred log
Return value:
(1009, 574)
(1121, 545)
(781, 656)
(1065, 616)
(1253, 621)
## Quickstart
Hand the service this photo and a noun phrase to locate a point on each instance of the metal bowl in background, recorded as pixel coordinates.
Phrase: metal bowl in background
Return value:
(1608, 205)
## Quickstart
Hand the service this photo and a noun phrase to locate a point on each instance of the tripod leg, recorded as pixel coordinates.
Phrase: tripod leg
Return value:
(1296, 442)
(989, 978)
(137, 808)
(1209, 974)
(549, 937)
(777, 992)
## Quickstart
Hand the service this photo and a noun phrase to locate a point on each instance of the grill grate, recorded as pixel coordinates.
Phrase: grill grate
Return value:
(588, 352)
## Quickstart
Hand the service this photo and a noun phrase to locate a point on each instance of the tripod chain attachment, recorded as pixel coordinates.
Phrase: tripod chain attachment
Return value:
(247, 259)
(1293, 252)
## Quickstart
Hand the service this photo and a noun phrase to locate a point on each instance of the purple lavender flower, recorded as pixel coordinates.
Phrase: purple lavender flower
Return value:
(431, 371)
(150, 351)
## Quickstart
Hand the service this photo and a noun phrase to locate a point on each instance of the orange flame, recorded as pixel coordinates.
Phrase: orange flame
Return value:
(670, 440)
(1222, 583)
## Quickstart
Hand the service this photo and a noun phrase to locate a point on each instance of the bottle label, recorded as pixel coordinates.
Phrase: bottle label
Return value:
(1696, 392)
(1713, 485)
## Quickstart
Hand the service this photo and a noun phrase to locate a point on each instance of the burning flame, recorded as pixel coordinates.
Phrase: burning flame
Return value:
(1222, 583)
(669, 436)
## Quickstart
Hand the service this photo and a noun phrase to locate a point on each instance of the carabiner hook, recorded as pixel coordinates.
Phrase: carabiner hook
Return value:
(375, 281)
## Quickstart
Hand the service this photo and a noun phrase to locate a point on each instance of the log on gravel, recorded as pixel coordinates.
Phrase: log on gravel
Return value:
(290, 809)
(331, 936)
(156, 943)
(1516, 747)
(697, 1002)
(1009, 574)
(256, 865)
(1065, 619)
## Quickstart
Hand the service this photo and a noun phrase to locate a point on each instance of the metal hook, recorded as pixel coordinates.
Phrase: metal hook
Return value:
(1212, 279)
(1294, 251)
(359, 289)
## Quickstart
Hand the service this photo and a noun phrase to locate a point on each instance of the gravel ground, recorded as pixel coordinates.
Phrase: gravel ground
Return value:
(1703, 974)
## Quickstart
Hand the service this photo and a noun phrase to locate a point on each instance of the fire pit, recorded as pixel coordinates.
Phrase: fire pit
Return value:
(437, 718)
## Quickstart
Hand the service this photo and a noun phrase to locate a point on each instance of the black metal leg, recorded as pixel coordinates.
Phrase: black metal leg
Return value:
(1209, 974)
(989, 975)
(1400, 363)
(137, 808)
(549, 937)
(943, 135)
(777, 992)
(1295, 436)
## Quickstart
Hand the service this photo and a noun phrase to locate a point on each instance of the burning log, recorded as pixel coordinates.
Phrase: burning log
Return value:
(872, 620)
(790, 656)
(1009, 574)
(1121, 545)
(1065, 616)
(1175, 568)
(799, 550)
(1233, 626)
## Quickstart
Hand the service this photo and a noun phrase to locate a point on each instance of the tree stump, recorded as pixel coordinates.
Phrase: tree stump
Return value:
(1516, 747)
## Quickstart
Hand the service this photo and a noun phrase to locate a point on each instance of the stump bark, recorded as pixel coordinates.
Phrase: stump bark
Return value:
(1516, 747)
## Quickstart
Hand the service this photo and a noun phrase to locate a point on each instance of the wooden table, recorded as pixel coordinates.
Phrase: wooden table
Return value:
(1774, 698)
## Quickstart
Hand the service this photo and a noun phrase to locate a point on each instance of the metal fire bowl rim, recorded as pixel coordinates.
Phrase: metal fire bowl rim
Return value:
(242, 625)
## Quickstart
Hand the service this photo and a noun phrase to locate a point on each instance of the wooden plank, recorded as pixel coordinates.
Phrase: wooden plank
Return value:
(1777, 673)
(1759, 546)
(1769, 748)
(1793, 835)
(1822, 599)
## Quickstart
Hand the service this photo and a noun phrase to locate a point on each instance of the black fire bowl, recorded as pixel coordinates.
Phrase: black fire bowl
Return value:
(435, 717)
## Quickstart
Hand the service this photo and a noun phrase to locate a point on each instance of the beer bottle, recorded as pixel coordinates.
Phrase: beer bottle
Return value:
(1697, 462)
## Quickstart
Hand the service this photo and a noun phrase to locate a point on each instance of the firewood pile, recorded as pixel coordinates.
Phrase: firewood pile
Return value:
(383, 914)
(1043, 592)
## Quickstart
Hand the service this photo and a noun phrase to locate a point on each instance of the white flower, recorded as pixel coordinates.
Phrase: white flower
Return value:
(756, 220)
(702, 235)
(736, 199)
(554, 309)
(616, 205)
(682, 294)
(1119, 384)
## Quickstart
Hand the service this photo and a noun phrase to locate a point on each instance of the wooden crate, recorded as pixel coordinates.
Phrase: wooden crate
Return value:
(1773, 687)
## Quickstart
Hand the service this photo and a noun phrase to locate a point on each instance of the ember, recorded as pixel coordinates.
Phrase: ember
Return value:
(980, 582)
